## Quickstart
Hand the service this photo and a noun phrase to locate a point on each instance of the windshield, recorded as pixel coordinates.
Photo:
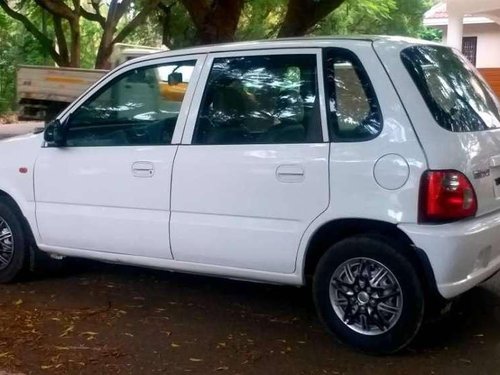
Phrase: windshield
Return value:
(457, 96)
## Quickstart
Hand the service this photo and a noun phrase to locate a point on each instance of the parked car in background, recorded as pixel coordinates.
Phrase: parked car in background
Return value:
(44, 91)
(369, 167)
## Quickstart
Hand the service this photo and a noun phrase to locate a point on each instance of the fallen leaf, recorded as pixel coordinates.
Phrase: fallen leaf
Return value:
(196, 360)
(222, 368)
(67, 331)
(89, 333)
(18, 302)
(174, 345)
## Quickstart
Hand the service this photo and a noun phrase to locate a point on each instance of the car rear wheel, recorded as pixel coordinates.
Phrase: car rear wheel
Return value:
(369, 295)
(12, 243)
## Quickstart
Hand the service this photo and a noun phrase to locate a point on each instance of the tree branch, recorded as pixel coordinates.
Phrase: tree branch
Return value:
(137, 21)
(93, 16)
(44, 41)
(58, 8)
(97, 16)
(302, 15)
(123, 6)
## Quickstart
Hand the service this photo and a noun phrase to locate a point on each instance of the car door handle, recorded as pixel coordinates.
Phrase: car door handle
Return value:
(290, 173)
(143, 169)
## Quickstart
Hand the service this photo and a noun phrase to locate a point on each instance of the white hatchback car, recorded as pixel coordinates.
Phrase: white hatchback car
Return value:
(370, 166)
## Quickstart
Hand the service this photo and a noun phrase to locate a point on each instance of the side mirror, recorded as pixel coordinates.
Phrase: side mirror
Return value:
(174, 79)
(55, 134)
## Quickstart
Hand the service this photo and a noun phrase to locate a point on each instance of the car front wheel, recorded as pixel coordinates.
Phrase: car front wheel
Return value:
(369, 295)
(12, 243)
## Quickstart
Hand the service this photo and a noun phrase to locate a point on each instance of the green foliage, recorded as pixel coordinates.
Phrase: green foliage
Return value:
(261, 19)
(382, 17)
(173, 28)
(17, 47)
(91, 37)
(429, 33)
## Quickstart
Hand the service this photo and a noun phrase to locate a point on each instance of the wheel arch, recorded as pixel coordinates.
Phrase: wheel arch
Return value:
(337, 230)
(25, 223)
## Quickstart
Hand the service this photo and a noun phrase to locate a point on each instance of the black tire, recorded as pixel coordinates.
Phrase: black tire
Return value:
(20, 243)
(390, 337)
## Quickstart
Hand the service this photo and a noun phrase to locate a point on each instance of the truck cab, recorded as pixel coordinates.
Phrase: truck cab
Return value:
(44, 91)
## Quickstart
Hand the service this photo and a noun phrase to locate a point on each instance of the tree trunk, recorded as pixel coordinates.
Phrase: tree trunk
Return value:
(103, 56)
(75, 44)
(165, 19)
(215, 20)
(104, 52)
(61, 40)
(303, 15)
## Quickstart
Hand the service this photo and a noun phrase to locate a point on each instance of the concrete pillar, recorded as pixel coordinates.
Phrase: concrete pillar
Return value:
(455, 29)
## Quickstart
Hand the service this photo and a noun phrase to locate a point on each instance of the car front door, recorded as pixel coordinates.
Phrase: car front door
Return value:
(252, 171)
(108, 188)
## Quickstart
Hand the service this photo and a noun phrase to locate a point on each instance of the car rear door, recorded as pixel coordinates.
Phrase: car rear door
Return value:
(252, 171)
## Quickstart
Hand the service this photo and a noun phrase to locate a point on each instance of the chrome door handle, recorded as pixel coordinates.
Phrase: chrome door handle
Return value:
(143, 169)
(290, 173)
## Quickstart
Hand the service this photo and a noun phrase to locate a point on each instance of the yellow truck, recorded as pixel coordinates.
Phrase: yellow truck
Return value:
(44, 91)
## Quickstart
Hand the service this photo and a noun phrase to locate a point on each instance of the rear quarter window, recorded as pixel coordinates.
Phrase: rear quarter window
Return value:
(458, 97)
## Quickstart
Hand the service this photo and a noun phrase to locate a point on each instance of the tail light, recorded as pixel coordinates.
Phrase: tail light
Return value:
(446, 196)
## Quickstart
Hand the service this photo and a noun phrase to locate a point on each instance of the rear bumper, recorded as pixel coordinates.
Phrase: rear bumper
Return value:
(461, 254)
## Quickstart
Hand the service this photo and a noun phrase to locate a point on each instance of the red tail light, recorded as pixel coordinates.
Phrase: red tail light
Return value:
(446, 196)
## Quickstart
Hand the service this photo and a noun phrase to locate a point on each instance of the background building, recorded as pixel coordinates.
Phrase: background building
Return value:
(474, 28)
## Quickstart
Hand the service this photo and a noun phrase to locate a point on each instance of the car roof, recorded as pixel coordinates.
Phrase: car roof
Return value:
(302, 42)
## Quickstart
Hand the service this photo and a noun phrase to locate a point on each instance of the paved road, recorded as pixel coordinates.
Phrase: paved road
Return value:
(105, 319)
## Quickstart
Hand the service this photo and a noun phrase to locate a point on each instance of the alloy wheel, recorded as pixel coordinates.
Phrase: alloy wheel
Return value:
(6, 244)
(366, 296)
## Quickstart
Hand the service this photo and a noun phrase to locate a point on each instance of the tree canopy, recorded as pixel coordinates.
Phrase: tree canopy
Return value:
(82, 33)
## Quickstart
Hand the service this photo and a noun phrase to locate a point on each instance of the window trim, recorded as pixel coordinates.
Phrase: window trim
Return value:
(356, 61)
(122, 70)
(197, 100)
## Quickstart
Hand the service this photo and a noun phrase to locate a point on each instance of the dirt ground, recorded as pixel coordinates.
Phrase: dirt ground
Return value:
(106, 319)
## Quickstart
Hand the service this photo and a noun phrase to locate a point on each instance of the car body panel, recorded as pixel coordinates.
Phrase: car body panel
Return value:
(473, 153)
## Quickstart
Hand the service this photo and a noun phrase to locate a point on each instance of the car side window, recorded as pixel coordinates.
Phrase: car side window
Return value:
(354, 113)
(260, 100)
(139, 107)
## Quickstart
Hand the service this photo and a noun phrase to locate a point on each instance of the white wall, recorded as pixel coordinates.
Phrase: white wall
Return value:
(488, 43)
